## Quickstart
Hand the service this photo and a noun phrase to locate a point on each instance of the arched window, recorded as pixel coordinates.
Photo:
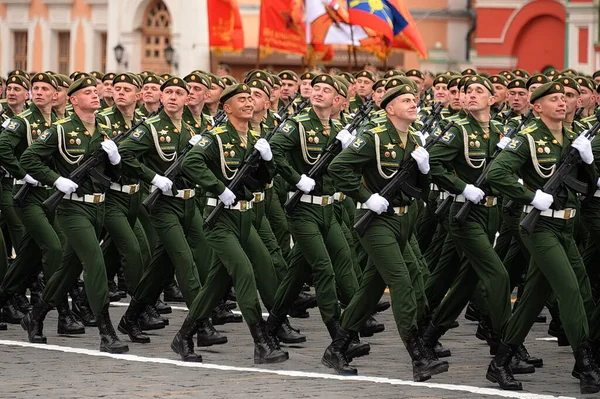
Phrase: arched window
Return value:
(156, 36)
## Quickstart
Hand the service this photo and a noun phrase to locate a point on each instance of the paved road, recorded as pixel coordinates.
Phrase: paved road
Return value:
(71, 367)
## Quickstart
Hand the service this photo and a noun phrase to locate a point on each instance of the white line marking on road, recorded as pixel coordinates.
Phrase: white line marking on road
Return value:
(547, 339)
(177, 308)
(287, 373)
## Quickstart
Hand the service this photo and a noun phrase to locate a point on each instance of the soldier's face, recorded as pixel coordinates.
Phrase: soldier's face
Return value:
(43, 94)
(214, 94)
(553, 107)
(518, 99)
(597, 79)
(108, 88)
(261, 102)
(454, 96)
(501, 91)
(151, 93)
(571, 99)
(478, 97)
(586, 97)
(198, 94)
(305, 88)
(364, 87)
(323, 96)
(16, 94)
(420, 83)
(378, 95)
(275, 93)
(100, 87)
(173, 99)
(239, 107)
(533, 87)
(440, 94)
(61, 98)
(288, 88)
(125, 94)
(351, 90)
(403, 107)
(86, 100)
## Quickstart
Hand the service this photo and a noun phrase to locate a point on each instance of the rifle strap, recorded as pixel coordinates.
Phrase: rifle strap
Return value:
(28, 133)
(62, 145)
(543, 172)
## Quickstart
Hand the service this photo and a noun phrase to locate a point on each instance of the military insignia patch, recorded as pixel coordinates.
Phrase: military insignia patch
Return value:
(358, 144)
(288, 128)
(204, 143)
(138, 134)
(45, 136)
(514, 145)
(448, 137)
(11, 125)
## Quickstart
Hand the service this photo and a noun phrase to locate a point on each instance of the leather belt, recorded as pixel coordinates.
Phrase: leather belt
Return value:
(444, 195)
(434, 187)
(398, 210)
(597, 193)
(184, 193)
(95, 198)
(241, 206)
(129, 188)
(487, 202)
(269, 185)
(567, 213)
(258, 197)
(322, 200)
(339, 197)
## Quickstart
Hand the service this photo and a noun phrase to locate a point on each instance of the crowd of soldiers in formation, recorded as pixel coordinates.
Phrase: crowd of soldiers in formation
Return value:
(451, 190)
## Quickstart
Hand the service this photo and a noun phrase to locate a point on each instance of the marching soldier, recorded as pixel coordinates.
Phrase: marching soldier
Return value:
(212, 104)
(59, 105)
(364, 89)
(80, 215)
(150, 95)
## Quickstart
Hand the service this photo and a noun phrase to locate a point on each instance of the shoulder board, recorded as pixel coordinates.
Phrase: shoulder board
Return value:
(462, 122)
(589, 119)
(219, 130)
(377, 129)
(570, 131)
(303, 117)
(379, 119)
(64, 120)
(337, 123)
(107, 111)
(426, 108)
(496, 123)
(530, 128)
(254, 133)
(154, 119)
(25, 113)
(102, 125)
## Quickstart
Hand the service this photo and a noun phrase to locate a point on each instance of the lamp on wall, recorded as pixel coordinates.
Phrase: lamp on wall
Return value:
(119, 50)
(170, 56)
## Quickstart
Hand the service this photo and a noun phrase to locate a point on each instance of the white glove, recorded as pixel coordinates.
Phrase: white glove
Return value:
(31, 180)
(164, 184)
(306, 184)
(504, 141)
(65, 185)
(584, 146)
(195, 139)
(377, 203)
(422, 136)
(111, 149)
(344, 137)
(422, 157)
(264, 148)
(598, 183)
(473, 194)
(227, 197)
(542, 200)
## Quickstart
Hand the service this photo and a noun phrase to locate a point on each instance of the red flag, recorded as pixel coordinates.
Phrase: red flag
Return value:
(225, 26)
(410, 37)
(282, 27)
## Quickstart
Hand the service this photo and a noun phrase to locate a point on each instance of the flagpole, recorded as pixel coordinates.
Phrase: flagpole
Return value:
(350, 60)
(258, 56)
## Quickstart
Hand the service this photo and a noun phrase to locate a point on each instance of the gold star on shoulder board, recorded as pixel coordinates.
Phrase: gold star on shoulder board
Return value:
(162, 131)
(541, 142)
(35, 125)
(228, 146)
(389, 146)
(312, 132)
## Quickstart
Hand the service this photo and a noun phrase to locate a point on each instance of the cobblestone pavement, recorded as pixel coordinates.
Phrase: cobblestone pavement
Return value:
(72, 367)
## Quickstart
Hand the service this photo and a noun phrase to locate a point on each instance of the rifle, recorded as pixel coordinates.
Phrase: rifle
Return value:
(245, 170)
(495, 114)
(432, 117)
(578, 113)
(463, 212)
(399, 181)
(283, 107)
(333, 149)
(174, 169)
(87, 168)
(561, 176)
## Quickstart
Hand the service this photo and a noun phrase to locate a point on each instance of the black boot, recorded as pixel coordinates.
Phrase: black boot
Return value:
(589, 375)
(425, 364)
(113, 292)
(431, 339)
(121, 283)
(371, 327)
(298, 313)
(304, 301)
(289, 335)
(265, 349)
(519, 366)
(68, 324)
(21, 302)
(221, 315)
(524, 355)
(130, 324)
(334, 356)
(36, 289)
(382, 306)
(472, 313)
(357, 348)
(499, 370)
(183, 343)
(81, 307)
(230, 304)
(482, 332)
(147, 321)
(173, 293)
(33, 322)
(208, 334)
(162, 308)
(153, 312)
(11, 313)
(109, 341)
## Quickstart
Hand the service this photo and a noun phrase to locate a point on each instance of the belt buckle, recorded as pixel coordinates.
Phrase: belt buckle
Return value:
(342, 196)
(187, 193)
(97, 198)
(324, 200)
(489, 202)
(243, 205)
(568, 213)
(257, 197)
(133, 189)
(401, 210)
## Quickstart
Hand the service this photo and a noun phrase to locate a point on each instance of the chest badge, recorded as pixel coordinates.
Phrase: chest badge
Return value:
(78, 141)
(232, 153)
(168, 139)
(394, 154)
